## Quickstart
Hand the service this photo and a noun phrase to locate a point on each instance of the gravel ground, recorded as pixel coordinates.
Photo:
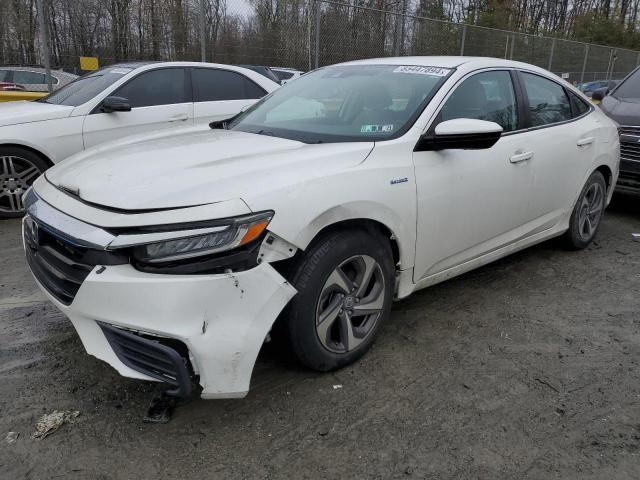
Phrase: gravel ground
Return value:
(526, 368)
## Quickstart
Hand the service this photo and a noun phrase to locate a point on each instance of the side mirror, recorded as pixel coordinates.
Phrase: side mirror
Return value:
(599, 94)
(460, 133)
(115, 104)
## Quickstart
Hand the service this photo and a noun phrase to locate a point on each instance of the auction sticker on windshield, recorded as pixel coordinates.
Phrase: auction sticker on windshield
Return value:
(376, 128)
(437, 71)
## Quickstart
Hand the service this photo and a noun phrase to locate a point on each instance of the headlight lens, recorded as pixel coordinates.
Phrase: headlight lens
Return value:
(188, 243)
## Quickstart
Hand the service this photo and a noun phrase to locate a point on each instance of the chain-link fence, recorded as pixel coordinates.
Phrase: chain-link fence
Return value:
(301, 34)
(345, 32)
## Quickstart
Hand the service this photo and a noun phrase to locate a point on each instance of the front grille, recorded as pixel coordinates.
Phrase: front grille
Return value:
(59, 266)
(58, 263)
(629, 130)
(630, 143)
(630, 151)
(629, 182)
(149, 356)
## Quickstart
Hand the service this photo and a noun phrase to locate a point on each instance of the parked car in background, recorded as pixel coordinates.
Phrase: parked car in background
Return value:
(622, 104)
(34, 79)
(358, 183)
(286, 74)
(112, 103)
(11, 87)
(265, 71)
(589, 87)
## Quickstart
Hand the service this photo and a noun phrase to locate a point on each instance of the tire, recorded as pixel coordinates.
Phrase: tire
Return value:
(322, 277)
(18, 170)
(587, 213)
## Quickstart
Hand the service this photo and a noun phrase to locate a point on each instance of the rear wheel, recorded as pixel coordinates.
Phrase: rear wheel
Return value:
(587, 213)
(345, 286)
(18, 170)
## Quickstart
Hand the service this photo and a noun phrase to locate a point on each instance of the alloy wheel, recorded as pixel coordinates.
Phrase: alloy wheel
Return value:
(591, 211)
(350, 304)
(16, 176)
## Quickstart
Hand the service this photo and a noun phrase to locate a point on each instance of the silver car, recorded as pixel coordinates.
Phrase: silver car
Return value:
(34, 79)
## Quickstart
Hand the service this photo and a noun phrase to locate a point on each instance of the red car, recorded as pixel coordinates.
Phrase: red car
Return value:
(11, 87)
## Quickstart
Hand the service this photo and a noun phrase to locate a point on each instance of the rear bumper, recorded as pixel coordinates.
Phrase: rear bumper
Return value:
(221, 319)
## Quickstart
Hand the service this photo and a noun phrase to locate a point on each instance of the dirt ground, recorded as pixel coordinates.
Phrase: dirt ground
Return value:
(526, 368)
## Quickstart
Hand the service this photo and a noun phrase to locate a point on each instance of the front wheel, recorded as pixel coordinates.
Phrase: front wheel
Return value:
(587, 213)
(345, 286)
(18, 170)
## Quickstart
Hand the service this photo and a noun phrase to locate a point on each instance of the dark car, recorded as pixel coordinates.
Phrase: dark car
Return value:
(266, 71)
(622, 104)
(589, 87)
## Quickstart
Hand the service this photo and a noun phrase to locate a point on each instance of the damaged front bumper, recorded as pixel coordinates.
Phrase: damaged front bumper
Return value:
(221, 319)
(154, 326)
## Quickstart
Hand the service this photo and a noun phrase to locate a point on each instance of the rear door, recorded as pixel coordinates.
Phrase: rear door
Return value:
(220, 94)
(562, 137)
(160, 99)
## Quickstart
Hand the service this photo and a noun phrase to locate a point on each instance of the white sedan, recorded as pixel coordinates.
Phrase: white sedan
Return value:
(286, 75)
(112, 103)
(309, 213)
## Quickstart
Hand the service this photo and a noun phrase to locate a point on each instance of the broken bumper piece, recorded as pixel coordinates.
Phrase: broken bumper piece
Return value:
(222, 321)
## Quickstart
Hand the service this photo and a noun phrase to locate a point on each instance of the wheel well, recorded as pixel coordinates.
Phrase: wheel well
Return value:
(607, 174)
(372, 226)
(284, 267)
(30, 149)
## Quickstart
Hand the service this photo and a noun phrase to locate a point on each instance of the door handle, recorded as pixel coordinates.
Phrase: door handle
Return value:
(179, 118)
(521, 157)
(586, 141)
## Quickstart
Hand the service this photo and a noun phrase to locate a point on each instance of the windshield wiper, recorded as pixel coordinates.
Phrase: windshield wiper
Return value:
(265, 132)
(223, 124)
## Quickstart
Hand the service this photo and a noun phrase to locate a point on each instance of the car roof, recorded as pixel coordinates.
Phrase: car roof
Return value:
(445, 62)
(260, 79)
(132, 64)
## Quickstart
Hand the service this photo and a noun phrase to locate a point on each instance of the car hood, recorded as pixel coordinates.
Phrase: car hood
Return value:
(624, 112)
(12, 113)
(197, 167)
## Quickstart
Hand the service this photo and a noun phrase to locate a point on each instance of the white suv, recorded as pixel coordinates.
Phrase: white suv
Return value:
(355, 185)
(110, 104)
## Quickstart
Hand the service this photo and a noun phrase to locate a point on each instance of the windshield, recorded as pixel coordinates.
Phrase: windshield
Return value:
(629, 89)
(345, 103)
(85, 88)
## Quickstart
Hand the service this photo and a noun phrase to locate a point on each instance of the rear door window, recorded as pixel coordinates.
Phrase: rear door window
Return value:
(548, 101)
(211, 85)
(33, 78)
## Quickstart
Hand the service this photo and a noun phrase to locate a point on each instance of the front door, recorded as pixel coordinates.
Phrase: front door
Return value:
(471, 202)
(160, 99)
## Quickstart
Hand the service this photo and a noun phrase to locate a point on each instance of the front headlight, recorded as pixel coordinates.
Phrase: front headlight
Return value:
(173, 245)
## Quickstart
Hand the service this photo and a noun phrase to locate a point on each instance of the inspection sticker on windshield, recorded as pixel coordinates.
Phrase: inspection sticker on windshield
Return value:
(436, 71)
(376, 128)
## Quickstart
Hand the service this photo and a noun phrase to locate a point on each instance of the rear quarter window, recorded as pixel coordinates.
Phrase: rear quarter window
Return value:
(578, 105)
